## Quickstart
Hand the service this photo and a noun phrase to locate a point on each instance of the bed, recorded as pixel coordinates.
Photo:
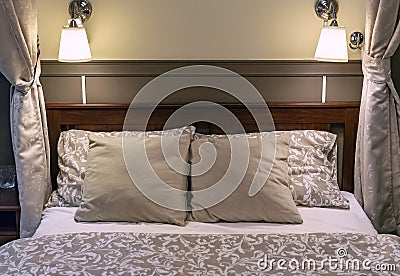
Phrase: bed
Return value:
(331, 238)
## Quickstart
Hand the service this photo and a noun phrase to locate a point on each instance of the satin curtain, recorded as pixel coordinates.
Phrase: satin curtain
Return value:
(18, 59)
(377, 166)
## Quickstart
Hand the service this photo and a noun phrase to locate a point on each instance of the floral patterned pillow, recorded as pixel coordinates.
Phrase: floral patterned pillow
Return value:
(73, 147)
(312, 169)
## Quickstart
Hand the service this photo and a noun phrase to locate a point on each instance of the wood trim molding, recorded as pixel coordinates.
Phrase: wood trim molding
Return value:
(350, 104)
(276, 80)
(153, 68)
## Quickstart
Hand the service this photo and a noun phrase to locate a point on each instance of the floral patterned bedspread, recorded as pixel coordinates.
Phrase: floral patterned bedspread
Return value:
(177, 254)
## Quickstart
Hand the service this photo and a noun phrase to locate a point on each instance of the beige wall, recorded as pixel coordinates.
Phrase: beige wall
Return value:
(198, 29)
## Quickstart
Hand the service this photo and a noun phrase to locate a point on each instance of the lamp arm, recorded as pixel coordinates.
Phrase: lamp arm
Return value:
(73, 9)
(334, 16)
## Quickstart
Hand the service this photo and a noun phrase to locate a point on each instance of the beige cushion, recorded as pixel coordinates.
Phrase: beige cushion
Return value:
(109, 194)
(273, 203)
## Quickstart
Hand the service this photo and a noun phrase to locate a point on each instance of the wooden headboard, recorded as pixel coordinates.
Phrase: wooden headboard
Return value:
(287, 116)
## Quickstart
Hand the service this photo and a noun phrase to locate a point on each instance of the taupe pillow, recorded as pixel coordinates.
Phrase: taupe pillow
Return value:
(273, 203)
(109, 193)
(312, 169)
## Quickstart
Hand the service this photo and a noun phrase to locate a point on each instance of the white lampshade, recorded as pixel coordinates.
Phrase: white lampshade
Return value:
(74, 45)
(332, 45)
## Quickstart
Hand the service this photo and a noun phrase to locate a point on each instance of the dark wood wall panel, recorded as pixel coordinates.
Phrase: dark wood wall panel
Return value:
(273, 89)
(114, 89)
(62, 89)
(277, 81)
(341, 88)
(289, 88)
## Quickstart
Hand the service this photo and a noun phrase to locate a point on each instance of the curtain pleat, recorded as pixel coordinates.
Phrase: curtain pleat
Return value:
(377, 169)
(19, 64)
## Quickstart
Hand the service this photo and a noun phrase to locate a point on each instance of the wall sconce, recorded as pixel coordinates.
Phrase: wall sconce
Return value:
(332, 45)
(356, 39)
(74, 45)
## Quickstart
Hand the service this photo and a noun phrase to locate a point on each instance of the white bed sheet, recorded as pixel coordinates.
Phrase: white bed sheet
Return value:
(61, 220)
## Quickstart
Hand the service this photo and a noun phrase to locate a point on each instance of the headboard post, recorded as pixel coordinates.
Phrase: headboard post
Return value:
(54, 127)
(350, 137)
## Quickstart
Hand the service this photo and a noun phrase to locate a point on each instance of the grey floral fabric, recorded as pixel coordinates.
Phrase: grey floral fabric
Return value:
(173, 254)
(73, 147)
(312, 169)
(19, 63)
(377, 162)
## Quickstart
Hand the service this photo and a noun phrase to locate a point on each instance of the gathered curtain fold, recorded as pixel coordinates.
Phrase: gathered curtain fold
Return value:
(20, 65)
(377, 164)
